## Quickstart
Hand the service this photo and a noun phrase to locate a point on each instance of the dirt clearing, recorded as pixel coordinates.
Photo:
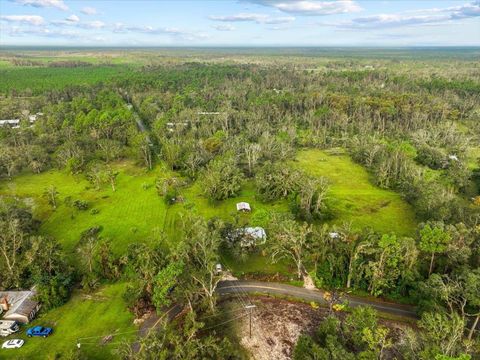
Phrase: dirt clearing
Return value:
(276, 326)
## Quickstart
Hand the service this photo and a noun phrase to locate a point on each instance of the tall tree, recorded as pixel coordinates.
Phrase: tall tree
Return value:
(433, 240)
(199, 252)
(290, 240)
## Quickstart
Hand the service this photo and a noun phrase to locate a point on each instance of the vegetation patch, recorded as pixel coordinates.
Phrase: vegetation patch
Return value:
(354, 198)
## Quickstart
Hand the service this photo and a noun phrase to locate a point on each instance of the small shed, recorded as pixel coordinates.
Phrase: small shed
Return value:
(243, 206)
(20, 306)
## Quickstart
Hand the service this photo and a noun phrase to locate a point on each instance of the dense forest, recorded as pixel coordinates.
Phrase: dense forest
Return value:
(224, 125)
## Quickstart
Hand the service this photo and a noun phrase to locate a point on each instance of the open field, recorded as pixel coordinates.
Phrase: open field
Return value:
(135, 212)
(86, 315)
(354, 198)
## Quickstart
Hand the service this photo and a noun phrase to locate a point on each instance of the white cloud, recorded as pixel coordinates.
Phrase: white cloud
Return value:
(59, 4)
(122, 28)
(252, 17)
(89, 10)
(24, 19)
(44, 32)
(73, 18)
(429, 17)
(224, 27)
(311, 7)
(97, 24)
(279, 20)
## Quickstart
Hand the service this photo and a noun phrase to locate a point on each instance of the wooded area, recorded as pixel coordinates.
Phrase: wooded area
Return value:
(200, 135)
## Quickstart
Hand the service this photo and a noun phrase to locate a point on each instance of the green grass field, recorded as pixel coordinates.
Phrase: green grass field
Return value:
(136, 213)
(94, 316)
(133, 213)
(353, 196)
(127, 215)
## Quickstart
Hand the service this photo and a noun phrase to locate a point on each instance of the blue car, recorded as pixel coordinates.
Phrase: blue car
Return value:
(39, 331)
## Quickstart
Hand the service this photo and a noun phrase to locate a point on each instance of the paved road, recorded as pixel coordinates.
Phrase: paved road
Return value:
(238, 286)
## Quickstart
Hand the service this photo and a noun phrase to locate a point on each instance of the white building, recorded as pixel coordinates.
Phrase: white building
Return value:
(243, 206)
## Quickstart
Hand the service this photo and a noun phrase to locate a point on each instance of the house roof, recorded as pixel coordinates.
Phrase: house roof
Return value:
(243, 206)
(255, 232)
(20, 302)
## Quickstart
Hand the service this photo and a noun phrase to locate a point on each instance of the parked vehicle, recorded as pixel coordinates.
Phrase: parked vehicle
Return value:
(218, 269)
(13, 344)
(8, 327)
(39, 331)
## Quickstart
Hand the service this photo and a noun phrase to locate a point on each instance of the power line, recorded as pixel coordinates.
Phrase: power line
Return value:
(225, 322)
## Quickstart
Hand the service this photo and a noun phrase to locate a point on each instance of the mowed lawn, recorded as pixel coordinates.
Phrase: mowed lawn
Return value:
(353, 196)
(91, 316)
(128, 215)
(134, 212)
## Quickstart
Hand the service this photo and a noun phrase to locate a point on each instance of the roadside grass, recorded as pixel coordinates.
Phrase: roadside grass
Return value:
(354, 198)
(86, 315)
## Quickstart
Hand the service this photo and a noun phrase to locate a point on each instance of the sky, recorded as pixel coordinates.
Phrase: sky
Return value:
(239, 23)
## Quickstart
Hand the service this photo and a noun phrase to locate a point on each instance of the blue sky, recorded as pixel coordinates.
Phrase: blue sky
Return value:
(240, 23)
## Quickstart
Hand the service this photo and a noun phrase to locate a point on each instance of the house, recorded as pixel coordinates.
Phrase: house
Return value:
(252, 236)
(243, 206)
(15, 123)
(19, 306)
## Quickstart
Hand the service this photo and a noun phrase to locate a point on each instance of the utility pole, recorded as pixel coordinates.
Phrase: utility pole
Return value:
(250, 307)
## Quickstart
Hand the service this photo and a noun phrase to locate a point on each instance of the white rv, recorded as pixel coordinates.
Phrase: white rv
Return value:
(8, 327)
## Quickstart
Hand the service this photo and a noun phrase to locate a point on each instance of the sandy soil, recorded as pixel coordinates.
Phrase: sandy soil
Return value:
(276, 326)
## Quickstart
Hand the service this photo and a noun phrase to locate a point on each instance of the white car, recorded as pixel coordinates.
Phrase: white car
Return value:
(13, 344)
(218, 269)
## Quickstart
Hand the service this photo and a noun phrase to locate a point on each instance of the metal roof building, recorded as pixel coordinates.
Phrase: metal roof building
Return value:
(20, 306)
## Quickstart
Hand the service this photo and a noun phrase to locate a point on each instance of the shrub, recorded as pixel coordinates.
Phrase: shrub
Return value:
(81, 204)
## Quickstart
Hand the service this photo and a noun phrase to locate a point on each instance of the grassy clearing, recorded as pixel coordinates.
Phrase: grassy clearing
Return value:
(353, 196)
(136, 213)
(133, 213)
(95, 315)
(127, 215)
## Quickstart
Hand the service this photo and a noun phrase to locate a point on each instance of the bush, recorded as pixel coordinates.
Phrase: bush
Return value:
(430, 156)
(81, 204)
